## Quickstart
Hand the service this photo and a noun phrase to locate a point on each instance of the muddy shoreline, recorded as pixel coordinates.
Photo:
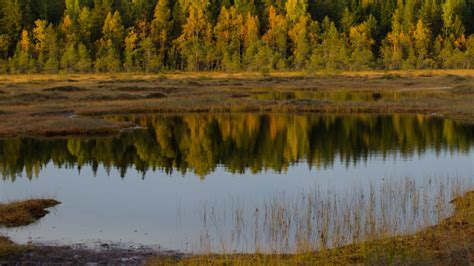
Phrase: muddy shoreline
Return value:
(104, 254)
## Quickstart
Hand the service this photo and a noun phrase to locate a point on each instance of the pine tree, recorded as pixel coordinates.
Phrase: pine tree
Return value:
(276, 37)
(229, 33)
(361, 46)
(86, 26)
(195, 31)
(10, 19)
(109, 59)
(68, 30)
(84, 62)
(22, 57)
(39, 37)
(396, 45)
(469, 60)
(430, 15)
(422, 37)
(295, 10)
(300, 42)
(52, 50)
(333, 47)
(113, 29)
(161, 27)
(4, 46)
(449, 10)
(151, 61)
(251, 39)
(347, 20)
(72, 8)
(69, 58)
(265, 60)
(131, 52)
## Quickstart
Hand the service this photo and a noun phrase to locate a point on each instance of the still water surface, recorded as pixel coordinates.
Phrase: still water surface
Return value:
(147, 186)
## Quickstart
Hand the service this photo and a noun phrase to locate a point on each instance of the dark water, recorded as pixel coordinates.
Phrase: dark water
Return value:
(146, 186)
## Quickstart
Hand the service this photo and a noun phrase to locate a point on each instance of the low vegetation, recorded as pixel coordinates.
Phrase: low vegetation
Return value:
(17, 214)
(427, 229)
(9, 249)
(23, 213)
(59, 105)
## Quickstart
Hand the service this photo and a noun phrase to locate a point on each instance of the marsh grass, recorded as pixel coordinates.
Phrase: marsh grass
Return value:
(395, 222)
(8, 248)
(421, 92)
(17, 214)
(22, 213)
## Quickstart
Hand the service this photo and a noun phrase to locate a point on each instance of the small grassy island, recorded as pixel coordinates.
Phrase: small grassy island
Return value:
(18, 214)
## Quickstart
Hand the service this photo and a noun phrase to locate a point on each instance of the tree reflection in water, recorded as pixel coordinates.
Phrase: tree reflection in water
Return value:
(239, 142)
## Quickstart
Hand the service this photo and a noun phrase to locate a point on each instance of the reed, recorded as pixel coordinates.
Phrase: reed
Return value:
(407, 221)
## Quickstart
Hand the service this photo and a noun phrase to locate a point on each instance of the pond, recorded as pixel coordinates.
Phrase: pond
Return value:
(173, 175)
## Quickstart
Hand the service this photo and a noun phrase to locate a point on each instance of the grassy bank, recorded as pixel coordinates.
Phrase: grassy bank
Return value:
(60, 105)
(17, 214)
(449, 242)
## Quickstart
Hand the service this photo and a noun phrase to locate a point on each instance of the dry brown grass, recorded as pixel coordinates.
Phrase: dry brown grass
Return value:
(9, 249)
(451, 242)
(22, 213)
(17, 214)
(49, 105)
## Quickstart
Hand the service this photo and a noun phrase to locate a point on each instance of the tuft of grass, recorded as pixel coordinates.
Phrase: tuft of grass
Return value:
(24, 213)
(8, 248)
(17, 214)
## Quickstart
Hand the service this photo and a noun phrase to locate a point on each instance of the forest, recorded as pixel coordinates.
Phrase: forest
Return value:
(81, 36)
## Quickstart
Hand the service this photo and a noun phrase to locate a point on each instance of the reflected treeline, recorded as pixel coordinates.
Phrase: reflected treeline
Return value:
(240, 142)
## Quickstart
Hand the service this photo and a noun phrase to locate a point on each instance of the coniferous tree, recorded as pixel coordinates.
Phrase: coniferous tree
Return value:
(39, 35)
(84, 62)
(195, 33)
(22, 61)
(131, 61)
(160, 30)
(251, 40)
(333, 50)
(298, 20)
(300, 42)
(52, 50)
(10, 23)
(229, 33)
(69, 58)
(111, 43)
(421, 39)
(276, 39)
(264, 35)
(360, 38)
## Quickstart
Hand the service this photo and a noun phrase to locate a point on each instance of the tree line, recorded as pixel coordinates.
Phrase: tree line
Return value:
(75, 36)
